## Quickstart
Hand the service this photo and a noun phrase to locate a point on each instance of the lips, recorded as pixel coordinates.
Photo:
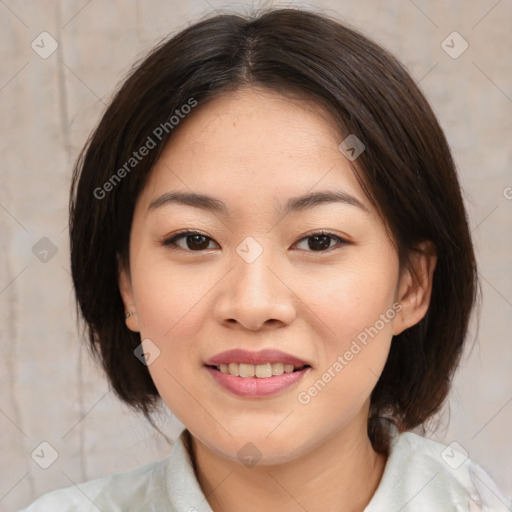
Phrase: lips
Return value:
(255, 358)
(256, 374)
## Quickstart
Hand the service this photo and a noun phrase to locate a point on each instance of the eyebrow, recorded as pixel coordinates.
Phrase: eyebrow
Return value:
(294, 204)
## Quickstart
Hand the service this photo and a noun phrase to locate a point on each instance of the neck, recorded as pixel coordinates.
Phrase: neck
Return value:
(341, 473)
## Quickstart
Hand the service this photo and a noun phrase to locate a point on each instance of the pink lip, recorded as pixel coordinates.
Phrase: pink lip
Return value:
(254, 386)
(260, 357)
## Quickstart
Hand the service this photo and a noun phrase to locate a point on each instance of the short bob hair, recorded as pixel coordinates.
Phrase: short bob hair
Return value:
(406, 170)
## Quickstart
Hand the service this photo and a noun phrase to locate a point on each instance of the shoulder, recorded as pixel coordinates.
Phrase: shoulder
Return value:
(143, 488)
(423, 475)
(166, 484)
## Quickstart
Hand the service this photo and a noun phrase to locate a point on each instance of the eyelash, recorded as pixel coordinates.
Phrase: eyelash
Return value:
(167, 242)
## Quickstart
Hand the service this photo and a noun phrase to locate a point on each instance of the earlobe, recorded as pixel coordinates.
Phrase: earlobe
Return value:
(126, 291)
(415, 287)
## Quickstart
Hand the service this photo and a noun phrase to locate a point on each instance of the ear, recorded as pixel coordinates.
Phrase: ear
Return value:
(125, 288)
(415, 286)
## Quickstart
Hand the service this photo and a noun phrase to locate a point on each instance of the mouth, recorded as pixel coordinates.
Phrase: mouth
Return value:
(256, 374)
(260, 371)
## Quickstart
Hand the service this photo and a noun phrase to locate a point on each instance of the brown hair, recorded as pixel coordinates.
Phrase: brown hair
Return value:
(406, 170)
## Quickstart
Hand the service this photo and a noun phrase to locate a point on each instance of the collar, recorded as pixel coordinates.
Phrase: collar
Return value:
(419, 476)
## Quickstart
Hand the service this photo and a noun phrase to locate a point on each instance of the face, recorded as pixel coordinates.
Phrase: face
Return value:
(318, 281)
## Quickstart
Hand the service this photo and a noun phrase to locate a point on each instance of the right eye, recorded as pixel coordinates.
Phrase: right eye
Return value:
(194, 241)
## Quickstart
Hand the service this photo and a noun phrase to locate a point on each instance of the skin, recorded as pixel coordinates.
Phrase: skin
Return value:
(254, 149)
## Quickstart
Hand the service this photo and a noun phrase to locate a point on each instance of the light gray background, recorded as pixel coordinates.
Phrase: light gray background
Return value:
(51, 391)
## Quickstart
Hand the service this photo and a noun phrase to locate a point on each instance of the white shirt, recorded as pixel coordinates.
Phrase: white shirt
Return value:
(421, 475)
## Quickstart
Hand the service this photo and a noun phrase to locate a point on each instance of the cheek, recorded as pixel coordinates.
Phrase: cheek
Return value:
(351, 301)
(170, 304)
(355, 309)
(358, 315)
(169, 297)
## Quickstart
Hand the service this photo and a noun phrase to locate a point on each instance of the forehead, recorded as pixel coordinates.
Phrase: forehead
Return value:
(251, 146)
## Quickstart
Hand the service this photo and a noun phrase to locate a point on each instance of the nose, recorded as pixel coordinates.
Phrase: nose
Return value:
(254, 296)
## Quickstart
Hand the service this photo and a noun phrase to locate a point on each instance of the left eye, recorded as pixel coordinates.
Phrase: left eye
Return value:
(319, 242)
(195, 241)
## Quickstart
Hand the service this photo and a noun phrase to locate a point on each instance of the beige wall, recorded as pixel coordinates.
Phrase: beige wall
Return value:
(50, 390)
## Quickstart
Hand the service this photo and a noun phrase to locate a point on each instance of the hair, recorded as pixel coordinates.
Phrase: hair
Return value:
(406, 170)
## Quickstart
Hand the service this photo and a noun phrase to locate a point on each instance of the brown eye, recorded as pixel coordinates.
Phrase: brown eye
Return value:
(321, 242)
(193, 241)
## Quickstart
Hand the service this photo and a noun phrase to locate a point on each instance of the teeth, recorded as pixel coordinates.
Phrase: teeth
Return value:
(261, 371)
(277, 368)
(246, 370)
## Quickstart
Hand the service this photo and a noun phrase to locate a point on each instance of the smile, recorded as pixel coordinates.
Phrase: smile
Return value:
(261, 371)
(256, 374)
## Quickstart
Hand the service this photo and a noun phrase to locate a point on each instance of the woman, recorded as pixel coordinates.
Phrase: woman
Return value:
(268, 235)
